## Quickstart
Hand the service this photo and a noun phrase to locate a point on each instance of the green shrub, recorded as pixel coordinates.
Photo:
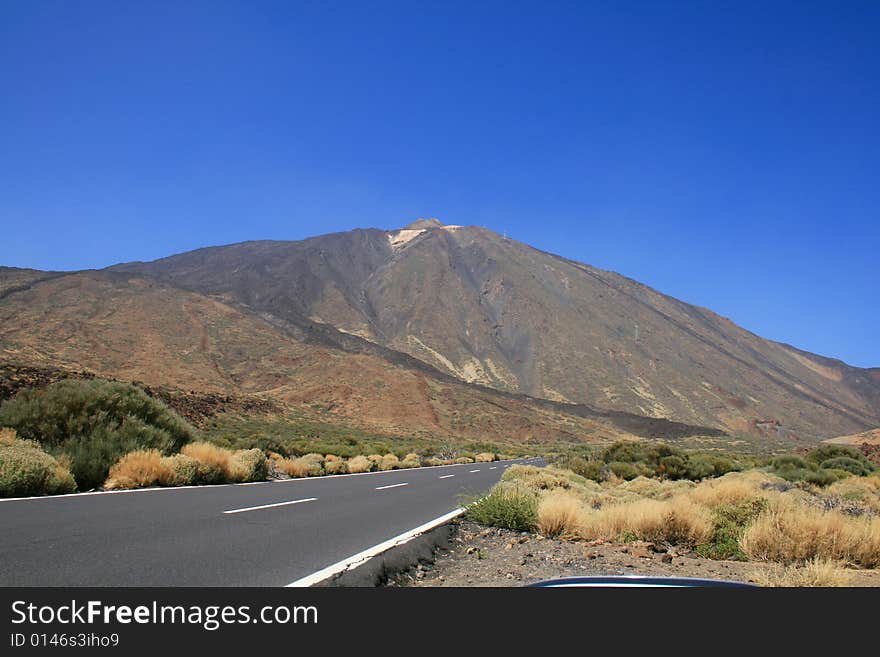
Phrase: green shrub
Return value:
(827, 452)
(848, 464)
(822, 477)
(25, 470)
(583, 467)
(94, 423)
(791, 462)
(624, 470)
(507, 505)
(730, 522)
(673, 467)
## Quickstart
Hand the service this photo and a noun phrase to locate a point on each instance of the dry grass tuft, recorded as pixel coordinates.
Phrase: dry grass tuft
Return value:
(789, 533)
(7, 436)
(139, 469)
(300, 467)
(560, 514)
(389, 462)
(816, 572)
(731, 489)
(485, 457)
(209, 455)
(678, 521)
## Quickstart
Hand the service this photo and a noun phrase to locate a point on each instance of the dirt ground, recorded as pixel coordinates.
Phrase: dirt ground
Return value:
(480, 556)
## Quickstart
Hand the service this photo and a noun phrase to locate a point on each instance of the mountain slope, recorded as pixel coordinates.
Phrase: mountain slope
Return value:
(139, 329)
(496, 312)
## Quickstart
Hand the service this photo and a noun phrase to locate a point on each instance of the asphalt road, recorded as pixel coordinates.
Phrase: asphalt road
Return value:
(213, 535)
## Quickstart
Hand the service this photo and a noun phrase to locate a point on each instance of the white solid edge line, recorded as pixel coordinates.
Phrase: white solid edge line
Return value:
(445, 476)
(405, 483)
(357, 559)
(155, 489)
(269, 506)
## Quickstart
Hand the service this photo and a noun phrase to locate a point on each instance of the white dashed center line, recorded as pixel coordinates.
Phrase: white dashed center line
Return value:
(445, 477)
(391, 486)
(474, 470)
(269, 506)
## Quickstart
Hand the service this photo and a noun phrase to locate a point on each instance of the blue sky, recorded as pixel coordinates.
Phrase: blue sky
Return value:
(725, 153)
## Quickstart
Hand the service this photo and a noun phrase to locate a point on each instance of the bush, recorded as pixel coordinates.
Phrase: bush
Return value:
(485, 457)
(463, 459)
(588, 469)
(360, 464)
(730, 522)
(848, 464)
(389, 462)
(247, 465)
(828, 452)
(507, 505)
(180, 470)
(138, 469)
(624, 470)
(301, 467)
(673, 467)
(213, 461)
(94, 423)
(335, 466)
(25, 469)
(791, 462)
(411, 461)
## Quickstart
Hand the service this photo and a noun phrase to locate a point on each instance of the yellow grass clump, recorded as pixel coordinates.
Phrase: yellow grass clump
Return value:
(359, 464)
(300, 467)
(790, 533)
(560, 514)
(816, 572)
(139, 469)
(389, 462)
(7, 436)
(678, 521)
(485, 457)
(209, 455)
(335, 466)
(732, 488)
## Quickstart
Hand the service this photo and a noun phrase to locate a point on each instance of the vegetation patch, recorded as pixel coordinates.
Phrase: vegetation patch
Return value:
(25, 469)
(510, 506)
(94, 423)
(730, 522)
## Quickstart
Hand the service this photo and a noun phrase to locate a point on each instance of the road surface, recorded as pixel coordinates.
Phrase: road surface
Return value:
(261, 534)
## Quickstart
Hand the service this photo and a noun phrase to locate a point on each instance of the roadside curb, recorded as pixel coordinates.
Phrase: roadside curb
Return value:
(376, 565)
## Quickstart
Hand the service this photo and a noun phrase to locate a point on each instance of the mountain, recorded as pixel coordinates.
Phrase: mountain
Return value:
(487, 310)
(213, 354)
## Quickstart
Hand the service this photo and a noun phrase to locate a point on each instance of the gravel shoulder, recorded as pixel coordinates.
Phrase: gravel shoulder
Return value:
(487, 556)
